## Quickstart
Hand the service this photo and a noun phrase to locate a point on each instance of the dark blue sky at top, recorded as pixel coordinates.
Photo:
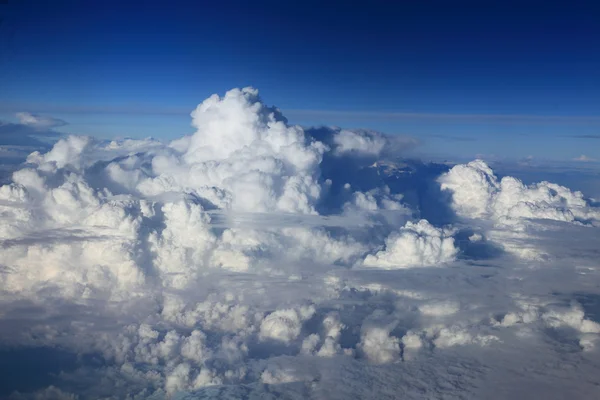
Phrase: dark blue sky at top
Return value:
(138, 68)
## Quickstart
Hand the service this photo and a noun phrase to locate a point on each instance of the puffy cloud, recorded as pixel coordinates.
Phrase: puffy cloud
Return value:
(329, 347)
(213, 265)
(439, 309)
(284, 325)
(556, 317)
(195, 347)
(414, 245)
(572, 317)
(513, 207)
(412, 341)
(378, 346)
(66, 152)
(148, 202)
(477, 193)
(472, 185)
(260, 161)
(457, 336)
(374, 200)
(178, 379)
(276, 374)
(360, 141)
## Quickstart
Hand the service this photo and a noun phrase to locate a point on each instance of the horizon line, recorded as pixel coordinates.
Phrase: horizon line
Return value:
(139, 109)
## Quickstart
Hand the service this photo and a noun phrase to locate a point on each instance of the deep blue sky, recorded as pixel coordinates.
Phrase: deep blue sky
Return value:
(510, 79)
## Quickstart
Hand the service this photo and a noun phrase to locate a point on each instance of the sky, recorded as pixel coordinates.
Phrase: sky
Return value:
(301, 201)
(501, 79)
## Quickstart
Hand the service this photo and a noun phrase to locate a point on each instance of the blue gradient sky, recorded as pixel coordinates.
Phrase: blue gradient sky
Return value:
(510, 80)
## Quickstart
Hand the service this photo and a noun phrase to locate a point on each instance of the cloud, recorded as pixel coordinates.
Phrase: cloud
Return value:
(38, 121)
(585, 136)
(16, 153)
(255, 258)
(365, 142)
(32, 134)
(361, 143)
(477, 193)
(378, 346)
(368, 143)
(415, 245)
(19, 140)
(284, 325)
(24, 135)
(512, 208)
(584, 158)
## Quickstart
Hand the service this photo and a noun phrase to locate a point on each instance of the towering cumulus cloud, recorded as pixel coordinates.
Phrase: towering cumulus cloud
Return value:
(257, 161)
(257, 259)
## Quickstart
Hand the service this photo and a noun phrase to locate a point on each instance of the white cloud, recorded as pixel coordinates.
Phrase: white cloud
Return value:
(472, 186)
(38, 121)
(284, 325)
(362, 142)
(456, 336)
(378, 346)
(439, 309)
(415, 245)
(513, 207)
(207, 267)
(477, 193)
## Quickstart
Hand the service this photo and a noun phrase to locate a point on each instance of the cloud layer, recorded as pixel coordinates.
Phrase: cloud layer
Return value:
(257, 258)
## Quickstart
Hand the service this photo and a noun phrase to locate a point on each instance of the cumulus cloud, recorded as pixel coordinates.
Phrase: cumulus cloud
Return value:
(511, 213)
(477, 193)
(284, 325)
(231, 262)
(415, 245)
(556, 317)
(378, 346)
(256, 162)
